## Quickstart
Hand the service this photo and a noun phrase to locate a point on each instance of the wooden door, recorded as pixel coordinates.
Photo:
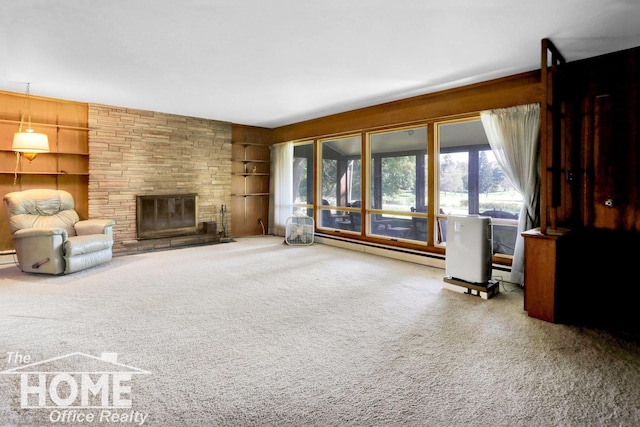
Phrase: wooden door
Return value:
(613, 195)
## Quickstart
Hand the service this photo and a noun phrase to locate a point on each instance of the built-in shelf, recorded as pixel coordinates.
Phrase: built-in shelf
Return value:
(49, 125)
(250, 180)
(44, 173)
(49, 153)
(258, 169)
(60, 163)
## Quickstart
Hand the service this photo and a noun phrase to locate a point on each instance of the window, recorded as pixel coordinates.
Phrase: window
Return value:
(391, 200)
(303, 167)
(471, 182)
(340, 184)
(398, 184)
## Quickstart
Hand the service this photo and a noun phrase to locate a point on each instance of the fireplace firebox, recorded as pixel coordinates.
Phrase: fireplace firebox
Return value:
(166, 215)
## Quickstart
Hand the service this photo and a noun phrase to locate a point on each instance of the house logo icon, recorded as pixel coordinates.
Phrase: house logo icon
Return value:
(76, 385)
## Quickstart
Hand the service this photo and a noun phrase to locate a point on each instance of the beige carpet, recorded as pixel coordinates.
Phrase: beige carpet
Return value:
(255, 332)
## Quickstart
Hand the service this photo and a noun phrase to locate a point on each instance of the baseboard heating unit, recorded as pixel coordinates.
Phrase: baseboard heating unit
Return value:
(468, 259)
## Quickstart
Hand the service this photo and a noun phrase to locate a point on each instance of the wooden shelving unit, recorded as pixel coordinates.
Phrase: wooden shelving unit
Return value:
(68, 155)
(250, 185)
(253, 164)
(65, 167)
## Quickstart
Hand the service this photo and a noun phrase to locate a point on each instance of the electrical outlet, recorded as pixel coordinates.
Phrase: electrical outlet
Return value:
(259, 220)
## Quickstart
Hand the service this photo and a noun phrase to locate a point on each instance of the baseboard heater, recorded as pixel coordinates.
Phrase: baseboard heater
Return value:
(380, 246)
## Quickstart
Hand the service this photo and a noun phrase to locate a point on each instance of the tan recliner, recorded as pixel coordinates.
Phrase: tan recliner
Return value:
(50, 238)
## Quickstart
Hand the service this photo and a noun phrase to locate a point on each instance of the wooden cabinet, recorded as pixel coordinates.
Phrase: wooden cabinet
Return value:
(612, 155)
(541, 252)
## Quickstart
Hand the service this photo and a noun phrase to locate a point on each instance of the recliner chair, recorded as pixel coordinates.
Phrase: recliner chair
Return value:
(49, 237)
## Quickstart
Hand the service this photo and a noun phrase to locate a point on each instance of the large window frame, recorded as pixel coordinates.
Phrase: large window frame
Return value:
(339, 168)
(504, 222)
(405, 219)
(340, 216)
(304, 164)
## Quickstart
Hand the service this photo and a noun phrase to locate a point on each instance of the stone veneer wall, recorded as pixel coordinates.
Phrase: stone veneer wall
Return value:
(136, 152)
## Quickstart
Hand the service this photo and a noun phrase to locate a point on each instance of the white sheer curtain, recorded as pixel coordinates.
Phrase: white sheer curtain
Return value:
(281, 203)
(513, 135)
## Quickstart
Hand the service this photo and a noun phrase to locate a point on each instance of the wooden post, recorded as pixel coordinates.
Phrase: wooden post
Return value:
(550, 149)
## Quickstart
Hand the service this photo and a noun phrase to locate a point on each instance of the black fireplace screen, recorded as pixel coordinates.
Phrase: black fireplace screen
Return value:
(166, 215)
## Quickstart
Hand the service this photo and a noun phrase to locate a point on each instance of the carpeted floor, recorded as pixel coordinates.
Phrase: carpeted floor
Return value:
(258, 333)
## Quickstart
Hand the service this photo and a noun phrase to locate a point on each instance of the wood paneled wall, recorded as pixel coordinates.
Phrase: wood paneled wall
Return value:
(601, 143)
(596, 162)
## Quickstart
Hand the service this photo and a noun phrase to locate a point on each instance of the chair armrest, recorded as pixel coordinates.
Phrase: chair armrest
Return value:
(94, 226)
(40, 250)
(38, 232)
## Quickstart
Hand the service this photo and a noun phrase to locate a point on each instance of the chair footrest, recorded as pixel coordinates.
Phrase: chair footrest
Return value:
(78, 245)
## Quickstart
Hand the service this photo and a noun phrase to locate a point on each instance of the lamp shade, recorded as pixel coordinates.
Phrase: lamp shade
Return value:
(30, 142)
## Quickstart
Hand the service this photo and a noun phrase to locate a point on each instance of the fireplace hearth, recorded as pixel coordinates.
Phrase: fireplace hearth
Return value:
(166, 215)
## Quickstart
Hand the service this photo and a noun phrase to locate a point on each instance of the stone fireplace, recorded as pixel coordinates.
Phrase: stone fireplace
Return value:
(135, 154)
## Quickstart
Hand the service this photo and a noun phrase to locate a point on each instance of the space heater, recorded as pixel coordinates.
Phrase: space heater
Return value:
(468, 260)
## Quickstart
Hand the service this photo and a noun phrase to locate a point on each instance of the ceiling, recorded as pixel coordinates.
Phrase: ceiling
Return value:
(272, 63)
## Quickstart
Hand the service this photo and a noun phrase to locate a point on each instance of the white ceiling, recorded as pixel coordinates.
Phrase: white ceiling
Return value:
(274, 62)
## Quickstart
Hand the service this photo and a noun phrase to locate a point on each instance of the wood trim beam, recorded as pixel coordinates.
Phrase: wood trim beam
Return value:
(550, 149)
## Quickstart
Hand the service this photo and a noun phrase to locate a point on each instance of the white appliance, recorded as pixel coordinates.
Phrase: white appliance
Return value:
(469, 244)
